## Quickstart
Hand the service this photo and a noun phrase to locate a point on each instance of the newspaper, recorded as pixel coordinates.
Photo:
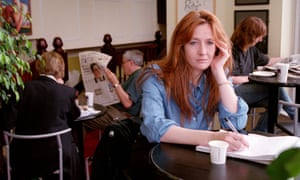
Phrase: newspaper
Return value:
(92, 64)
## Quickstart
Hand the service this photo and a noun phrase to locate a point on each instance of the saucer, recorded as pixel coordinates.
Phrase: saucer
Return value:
(263, 73)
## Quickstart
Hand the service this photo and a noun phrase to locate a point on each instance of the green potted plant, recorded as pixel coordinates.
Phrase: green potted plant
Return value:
(286, 165)
(15, 48)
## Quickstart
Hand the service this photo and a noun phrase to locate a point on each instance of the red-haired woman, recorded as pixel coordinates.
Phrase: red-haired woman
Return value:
(182, 92)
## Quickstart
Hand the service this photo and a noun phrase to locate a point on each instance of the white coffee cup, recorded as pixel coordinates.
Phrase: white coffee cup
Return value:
(218, 150)
(282, 71)
(260, 68)
(90, 98)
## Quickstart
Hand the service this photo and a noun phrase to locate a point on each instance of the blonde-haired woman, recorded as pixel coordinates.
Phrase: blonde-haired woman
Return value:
(46, 105)
(182, 92)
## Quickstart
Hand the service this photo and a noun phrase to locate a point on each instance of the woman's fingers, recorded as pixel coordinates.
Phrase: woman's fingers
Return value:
(236, 141)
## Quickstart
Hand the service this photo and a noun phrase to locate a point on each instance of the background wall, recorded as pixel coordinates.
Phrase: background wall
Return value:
(82, 23)
(281, 18)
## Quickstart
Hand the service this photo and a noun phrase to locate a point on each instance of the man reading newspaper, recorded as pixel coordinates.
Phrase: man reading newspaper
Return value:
(121, 100)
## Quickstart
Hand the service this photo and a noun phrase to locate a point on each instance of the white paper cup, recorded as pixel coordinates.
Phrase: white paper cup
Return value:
(260, 68)
(282, 71)
(218, 150)
(89, 98)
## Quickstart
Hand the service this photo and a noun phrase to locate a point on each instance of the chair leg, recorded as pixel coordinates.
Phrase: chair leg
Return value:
(8, 173)
(296, 130)
(253, 117)
(87, 169)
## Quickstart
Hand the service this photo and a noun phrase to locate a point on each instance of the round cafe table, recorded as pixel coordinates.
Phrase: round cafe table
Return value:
(273, 85)
(173, 161)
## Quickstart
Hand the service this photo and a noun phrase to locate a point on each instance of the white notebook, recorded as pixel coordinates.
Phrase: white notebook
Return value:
(262, 149)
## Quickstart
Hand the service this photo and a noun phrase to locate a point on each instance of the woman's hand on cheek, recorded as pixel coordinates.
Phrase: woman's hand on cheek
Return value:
(221, 57)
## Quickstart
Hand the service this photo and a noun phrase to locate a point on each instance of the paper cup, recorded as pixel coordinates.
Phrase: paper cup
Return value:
(218, 150)
(89, 98)
(282, 71)
(260, 68)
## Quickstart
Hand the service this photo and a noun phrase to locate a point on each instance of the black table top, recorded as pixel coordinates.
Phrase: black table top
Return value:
(291, 82)
(174, 161)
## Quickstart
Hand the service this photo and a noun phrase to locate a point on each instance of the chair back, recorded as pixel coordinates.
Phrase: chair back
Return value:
(8, 136)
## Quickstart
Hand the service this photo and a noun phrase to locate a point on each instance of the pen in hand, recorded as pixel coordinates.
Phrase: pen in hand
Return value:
(245, 144)
(231, 126)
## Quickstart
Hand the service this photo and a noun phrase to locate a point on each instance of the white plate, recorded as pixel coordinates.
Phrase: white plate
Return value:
(271, 68)
(297, 71)
(263, 73)
(293, 76)
(295, 66)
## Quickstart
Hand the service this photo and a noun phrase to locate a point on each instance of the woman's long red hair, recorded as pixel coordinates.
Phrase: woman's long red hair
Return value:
(176, 72)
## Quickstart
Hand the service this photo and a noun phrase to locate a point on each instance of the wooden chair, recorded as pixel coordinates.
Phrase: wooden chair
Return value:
(109, 49)
(8, 136)
(58, 47)
(41, 46)
(254, 114)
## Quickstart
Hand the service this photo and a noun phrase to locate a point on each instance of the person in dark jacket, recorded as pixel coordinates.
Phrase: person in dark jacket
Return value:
(45, 106)
(247, 57)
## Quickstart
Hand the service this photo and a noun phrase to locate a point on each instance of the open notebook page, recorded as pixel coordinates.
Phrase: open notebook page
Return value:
(262, 149)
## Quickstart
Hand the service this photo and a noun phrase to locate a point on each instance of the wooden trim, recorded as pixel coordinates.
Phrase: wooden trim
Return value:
(251, 2)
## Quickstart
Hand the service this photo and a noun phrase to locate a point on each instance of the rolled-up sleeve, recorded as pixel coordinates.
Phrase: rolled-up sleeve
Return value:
(238, 119)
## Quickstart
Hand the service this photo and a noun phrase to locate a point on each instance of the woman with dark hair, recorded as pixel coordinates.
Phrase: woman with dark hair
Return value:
(182, 93)
(247, 57)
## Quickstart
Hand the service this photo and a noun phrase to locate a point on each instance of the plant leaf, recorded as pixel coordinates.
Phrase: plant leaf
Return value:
(15, 48)
(286, 165)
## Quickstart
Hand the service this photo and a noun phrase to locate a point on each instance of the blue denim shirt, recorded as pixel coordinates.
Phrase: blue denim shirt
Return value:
(159, 113)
